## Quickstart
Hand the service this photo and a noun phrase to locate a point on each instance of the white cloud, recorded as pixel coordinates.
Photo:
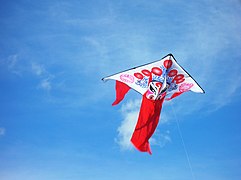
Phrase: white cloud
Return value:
(130, 112)
(2, 131)
(161, 139)
(45, 84)
(38, 69)
(45, 77)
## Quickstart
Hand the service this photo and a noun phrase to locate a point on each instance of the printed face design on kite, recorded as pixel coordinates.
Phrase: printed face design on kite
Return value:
(155, 90)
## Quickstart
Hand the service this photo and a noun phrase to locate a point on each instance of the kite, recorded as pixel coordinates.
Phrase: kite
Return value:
(161, 80)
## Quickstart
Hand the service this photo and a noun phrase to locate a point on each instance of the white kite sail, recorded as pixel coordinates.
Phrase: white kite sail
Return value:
(166, 71)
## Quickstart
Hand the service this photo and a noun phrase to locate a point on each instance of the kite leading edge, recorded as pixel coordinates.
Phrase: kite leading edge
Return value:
(161, 80)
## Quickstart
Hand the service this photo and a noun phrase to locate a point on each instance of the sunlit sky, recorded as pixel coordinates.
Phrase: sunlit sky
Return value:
(56, 118)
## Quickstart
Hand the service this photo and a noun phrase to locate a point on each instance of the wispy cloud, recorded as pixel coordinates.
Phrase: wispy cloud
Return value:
(45, 77)
(14, 65)
(38, 69)
(161, 138)
(214, 52)
(45, 84)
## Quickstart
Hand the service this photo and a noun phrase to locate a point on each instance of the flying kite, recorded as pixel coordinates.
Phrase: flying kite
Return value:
(161, 80)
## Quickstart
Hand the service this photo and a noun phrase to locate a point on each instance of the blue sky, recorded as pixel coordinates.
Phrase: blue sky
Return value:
(56, 118)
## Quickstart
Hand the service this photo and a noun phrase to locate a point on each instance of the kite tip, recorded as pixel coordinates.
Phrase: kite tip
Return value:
(149, 152)
(103, 79)
(170, 54)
